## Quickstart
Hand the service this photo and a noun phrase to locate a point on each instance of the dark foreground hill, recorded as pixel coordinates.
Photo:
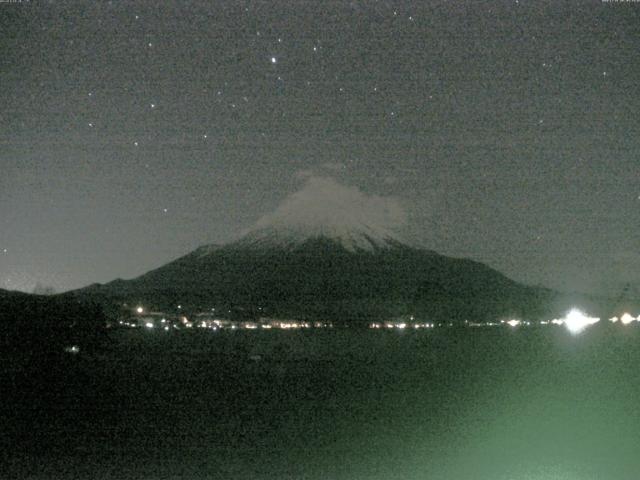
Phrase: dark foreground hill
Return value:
(41, 324)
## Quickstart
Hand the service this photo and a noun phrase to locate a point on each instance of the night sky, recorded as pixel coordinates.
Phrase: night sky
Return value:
(134, 132)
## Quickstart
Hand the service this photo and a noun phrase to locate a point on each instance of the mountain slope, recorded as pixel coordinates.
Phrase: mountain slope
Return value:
(321, 276)
(330, 250)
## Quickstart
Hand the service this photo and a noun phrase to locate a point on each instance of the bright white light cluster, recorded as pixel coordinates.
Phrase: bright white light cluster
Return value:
(400, 325)
(576, 321)
(626, 319)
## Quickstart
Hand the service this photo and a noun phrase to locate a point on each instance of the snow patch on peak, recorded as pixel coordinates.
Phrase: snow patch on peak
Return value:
(206, 250)
(349, 240)
(324, 208)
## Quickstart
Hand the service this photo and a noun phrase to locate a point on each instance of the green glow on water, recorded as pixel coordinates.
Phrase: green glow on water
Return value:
(494, 404)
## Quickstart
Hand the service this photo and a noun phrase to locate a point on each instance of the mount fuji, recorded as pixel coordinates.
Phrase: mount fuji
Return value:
(329, 251)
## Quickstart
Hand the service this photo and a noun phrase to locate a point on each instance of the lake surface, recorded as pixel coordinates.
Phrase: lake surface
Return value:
(484, 403)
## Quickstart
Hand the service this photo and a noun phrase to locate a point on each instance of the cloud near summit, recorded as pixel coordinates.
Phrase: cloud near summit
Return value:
(323, 202)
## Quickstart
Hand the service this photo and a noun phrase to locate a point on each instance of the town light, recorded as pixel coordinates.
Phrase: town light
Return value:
(626, 319)
(576, 321)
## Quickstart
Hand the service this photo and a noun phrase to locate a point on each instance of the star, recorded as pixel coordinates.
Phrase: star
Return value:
(204, 136)
(153, 105)
(4, 250)
(274, 60)
(135, 143)
(91, 124)
(150, 44)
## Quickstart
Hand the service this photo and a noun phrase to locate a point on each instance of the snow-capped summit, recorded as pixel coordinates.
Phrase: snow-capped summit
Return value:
(297, 263)
(326, 209)
(363, 238)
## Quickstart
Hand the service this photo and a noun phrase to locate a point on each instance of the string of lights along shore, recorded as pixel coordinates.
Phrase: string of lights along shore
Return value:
(505, 132)
(574, 321)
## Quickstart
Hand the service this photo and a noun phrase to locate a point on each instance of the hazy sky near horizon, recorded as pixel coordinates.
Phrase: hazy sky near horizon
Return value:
(134, 132)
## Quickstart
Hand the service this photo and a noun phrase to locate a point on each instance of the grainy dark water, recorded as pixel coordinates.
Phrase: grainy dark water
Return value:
(333, 404)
